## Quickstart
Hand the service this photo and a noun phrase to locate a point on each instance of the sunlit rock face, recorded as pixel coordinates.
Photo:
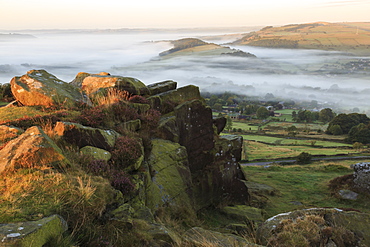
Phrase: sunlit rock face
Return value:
(39, 87)
(30, 149)
(91, 83)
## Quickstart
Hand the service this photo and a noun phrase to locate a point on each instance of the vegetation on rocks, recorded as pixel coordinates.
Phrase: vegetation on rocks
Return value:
(107, 168)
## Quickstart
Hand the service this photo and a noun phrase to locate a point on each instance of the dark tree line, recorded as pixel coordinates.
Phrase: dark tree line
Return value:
(356, 125)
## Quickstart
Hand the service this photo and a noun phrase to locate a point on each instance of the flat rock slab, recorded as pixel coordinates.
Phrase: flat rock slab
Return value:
(32, 233)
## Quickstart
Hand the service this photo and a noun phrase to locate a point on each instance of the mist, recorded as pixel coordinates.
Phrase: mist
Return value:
(288, 74)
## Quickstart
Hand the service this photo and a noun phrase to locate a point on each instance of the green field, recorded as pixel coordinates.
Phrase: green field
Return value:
(291, 141)
(259, 151)
(298, 187)
(245, 126)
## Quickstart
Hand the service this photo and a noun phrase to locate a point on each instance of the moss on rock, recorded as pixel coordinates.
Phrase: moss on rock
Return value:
(96, 153)
(81, 136)
(171, 179)
(243, 212)
(38, 87)
(32, 233)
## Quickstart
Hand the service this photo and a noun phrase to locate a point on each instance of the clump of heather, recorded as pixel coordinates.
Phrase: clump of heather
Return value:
(126, 151)
(138, 99)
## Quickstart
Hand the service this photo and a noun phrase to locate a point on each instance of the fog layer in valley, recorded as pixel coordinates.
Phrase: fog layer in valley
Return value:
(337, 78)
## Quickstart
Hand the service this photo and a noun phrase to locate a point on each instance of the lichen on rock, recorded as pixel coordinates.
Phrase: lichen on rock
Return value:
(32, 233)
(32, 148)
(38, 87)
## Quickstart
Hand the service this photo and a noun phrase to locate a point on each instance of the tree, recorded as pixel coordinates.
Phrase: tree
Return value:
(217, 107)
(294, 115)
(262, 113)
(347, 121)
(292, 130)
(229, 124)
(326, 115)
(358, 146)
(335, 130)
(304, 158)
(359, 133)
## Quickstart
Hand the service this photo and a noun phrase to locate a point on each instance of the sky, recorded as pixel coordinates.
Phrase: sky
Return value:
(77, 14)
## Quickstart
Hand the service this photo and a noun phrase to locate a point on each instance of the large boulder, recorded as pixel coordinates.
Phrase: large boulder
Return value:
(316, 227)
(91, 83)
(32, 233)
(213, 160)
(224, 177)
(196, 133)
(8, 133)
(166, 102)
(161, 87)
(361, 176)
(96, 153)
(82, 136)
(171, 179)
(38, 87)
(32, 148)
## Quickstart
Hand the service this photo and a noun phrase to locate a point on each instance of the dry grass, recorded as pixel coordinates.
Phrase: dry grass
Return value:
(112, 96)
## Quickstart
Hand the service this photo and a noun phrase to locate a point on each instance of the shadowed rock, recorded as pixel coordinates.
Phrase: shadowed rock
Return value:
(171, 181)
(82, 136)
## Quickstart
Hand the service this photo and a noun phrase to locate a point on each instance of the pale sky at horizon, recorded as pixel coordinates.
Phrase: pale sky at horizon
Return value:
(75, 14)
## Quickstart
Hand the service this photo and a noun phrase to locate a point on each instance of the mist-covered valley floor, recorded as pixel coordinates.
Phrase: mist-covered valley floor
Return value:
(336, 79)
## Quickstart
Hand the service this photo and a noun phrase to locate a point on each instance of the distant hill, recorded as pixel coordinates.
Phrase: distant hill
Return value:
(11, 36)
(353, 37)
(193, 46)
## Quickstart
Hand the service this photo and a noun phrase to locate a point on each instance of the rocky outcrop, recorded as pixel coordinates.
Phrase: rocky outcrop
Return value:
(220, 123)
(166, 102)
(171, 178)
(316, 227)
(32, 233)
(8, 132)
(96, 153)
(361, 176)
(38, 87)
(195, 125)
(82, 136)
(213, 161)
(31, 148)
(91, 83)
(161, 87)
(183, 164)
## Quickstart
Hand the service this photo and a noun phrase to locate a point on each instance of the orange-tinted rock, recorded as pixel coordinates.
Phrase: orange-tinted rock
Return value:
(91, 83)
(32, 148)
(38, 87)
(7, 133)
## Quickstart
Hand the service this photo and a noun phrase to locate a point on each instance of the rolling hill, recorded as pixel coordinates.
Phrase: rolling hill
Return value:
(192, 46)
(350, 37)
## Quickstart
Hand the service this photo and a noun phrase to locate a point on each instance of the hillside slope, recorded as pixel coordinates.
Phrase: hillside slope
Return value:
(352, 37)
(192, 46)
